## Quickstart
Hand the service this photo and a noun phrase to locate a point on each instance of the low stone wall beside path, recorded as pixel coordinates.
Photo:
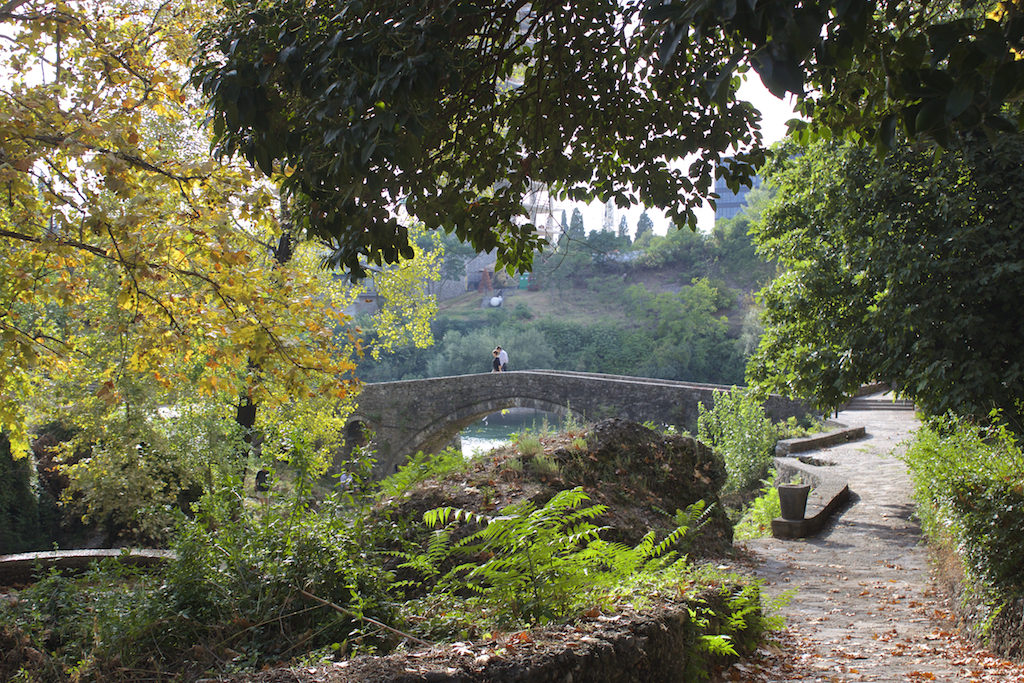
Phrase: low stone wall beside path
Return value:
(810, 443)
(829, 492)
(19, 568)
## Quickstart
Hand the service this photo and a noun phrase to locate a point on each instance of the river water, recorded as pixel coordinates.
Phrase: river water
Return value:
(497, 429)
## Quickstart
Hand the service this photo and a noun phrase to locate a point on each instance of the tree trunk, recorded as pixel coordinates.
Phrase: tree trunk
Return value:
(245, 409)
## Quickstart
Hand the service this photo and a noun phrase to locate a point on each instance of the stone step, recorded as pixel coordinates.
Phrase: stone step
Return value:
(879, 404)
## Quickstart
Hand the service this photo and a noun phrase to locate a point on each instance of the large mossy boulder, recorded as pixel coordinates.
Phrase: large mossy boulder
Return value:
(670, 471)
(641, 476)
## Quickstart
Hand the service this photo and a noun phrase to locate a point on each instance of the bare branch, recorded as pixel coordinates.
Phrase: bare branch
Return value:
(70, 243)
(138, 162)
(361, 617)
(8, 7)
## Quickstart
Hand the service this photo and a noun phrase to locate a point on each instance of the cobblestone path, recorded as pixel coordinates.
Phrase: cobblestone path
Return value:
(862, 607)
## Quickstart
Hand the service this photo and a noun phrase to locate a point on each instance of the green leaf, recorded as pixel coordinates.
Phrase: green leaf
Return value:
(959, 99)
(930, 117)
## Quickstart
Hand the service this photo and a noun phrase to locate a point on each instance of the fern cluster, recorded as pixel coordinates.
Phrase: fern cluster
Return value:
(419, 468)
(529, 564)
(756, 521)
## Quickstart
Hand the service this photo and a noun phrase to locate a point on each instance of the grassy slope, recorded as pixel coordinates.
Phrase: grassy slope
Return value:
(599, 298)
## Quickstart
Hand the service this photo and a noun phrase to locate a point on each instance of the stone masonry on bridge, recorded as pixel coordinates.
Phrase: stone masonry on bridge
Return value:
(425, 415)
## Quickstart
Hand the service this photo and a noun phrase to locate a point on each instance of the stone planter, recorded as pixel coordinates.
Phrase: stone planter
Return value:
(793, 500)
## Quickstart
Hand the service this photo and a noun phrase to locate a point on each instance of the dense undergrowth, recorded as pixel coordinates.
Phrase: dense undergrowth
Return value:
(969, 488)
(738, 428)
(299, 577)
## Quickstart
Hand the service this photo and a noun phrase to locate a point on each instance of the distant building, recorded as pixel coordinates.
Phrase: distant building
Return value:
(368, 302)
(541, 209)
(480, 271)
(731, 203)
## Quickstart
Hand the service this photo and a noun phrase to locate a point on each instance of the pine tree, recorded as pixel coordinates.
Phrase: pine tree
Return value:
(623, 229)
(576, 228)
(643, 225)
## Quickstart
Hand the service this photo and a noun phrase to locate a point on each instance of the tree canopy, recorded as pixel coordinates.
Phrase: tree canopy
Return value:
(867, 70)
(455, 108)
(906, 271)
(133, 254)
(136, 270)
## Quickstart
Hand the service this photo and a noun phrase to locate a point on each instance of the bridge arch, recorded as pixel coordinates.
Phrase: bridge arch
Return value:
(443, 430)
(409, 416)
(356, 432)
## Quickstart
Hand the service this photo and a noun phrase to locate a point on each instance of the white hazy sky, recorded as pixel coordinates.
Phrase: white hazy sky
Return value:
(774, 114)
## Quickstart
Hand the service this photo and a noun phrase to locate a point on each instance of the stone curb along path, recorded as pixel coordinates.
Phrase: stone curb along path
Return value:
(862, 606)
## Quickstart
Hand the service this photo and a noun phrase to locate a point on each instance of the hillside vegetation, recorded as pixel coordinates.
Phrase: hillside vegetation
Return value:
(678, 306)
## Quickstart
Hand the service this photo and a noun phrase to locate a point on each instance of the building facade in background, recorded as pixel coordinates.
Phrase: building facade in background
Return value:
(730, 203)
(542, 209)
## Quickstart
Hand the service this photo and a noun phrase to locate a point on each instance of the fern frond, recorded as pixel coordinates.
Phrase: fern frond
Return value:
(669, 541)
(568, 499)
(580, 534)
(437, 516)
(418, 468)
(439, 546)
(645, 548)
(589, 512)
(663, 562)
(441, 516)
(718, 645)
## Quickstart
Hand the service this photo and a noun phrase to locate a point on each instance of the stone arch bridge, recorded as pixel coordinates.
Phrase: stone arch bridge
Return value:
(427, 414)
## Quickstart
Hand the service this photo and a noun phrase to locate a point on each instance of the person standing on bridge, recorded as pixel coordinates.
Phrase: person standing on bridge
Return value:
(502, 358)
(495, 361)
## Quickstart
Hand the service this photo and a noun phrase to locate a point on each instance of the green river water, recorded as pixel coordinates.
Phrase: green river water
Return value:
(497, 429)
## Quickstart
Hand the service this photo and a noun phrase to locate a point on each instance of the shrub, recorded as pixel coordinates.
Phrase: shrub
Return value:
(528, 444)
(240, 568)
(794, 428)
(420, 467)
(737, 427)
(757, 518)
(132, 473)
(233, 599)
(544, 465)
(969, 485)
(522, 312)
(111, 623)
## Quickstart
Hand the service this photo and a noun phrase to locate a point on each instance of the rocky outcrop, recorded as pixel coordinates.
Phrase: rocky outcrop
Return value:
(670, 471)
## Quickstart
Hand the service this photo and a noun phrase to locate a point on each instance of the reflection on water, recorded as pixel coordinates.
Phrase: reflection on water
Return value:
(496, 429)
